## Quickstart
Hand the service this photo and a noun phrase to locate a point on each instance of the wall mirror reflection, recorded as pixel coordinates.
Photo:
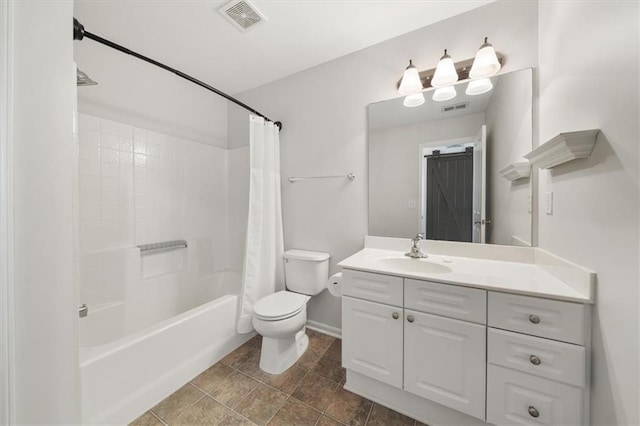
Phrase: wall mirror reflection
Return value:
(435, 168)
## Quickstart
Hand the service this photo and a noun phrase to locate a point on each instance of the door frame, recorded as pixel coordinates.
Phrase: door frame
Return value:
(7, 329)
(427, 148)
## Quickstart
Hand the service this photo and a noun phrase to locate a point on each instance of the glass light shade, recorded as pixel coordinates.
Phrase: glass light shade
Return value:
(445, 74)
(444, 93)
(478, 87)
(414, 100)
(485, 63)
(411, 82)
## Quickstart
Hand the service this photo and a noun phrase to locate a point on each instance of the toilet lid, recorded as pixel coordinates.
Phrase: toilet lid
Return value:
(280, 305)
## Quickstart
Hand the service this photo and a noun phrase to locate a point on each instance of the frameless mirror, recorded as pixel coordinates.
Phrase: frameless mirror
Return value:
(435, 169)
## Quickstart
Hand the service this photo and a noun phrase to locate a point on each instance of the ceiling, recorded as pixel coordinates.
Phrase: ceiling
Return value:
(192, 36)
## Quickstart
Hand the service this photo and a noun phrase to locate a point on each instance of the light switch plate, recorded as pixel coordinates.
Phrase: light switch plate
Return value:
(549, 203)
(412, 204)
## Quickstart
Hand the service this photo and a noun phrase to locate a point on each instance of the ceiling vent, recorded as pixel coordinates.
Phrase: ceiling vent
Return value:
(242, 14)
(456, 107)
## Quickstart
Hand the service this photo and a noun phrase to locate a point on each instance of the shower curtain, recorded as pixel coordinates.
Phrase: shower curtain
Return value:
(263, 264)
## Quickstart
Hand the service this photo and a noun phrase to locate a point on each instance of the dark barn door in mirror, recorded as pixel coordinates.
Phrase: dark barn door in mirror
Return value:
(449, 183)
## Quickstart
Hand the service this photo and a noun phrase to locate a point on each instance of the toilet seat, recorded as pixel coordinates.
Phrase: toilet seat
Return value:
(279, 306)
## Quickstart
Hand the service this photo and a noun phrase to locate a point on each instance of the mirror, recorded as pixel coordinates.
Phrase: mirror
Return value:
(435, 169)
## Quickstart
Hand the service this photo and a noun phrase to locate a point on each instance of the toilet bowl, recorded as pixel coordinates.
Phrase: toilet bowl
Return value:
(281, 317)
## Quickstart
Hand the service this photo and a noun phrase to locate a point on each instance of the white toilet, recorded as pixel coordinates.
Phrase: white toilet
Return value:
(281, 317)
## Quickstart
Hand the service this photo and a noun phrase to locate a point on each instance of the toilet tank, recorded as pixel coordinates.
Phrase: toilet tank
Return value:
(306, 272)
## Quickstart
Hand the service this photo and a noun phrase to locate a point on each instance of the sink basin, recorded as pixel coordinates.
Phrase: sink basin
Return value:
(409, 264)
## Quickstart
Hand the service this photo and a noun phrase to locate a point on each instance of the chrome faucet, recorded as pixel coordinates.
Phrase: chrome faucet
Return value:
(415, 251)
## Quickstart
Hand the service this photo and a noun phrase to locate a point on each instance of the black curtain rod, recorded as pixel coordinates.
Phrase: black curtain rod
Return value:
(79, 33)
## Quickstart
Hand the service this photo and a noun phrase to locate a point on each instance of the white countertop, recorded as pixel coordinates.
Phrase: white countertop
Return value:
(553, 279)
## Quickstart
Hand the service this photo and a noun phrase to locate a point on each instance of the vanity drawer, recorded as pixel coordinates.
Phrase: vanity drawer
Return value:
(374, 287)
(515, 398)
(464, 303)
(546, 358)
(564, 321)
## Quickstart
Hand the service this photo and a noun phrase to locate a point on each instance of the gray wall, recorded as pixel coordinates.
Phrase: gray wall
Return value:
(588, 78)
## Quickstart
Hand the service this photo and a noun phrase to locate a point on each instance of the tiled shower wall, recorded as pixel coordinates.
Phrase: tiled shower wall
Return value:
(137, 186)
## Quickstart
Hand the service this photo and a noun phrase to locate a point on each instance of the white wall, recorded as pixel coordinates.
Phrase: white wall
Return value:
(324, 113)
(509, 137)
(45, 352)
(395, 167)
(588, 78)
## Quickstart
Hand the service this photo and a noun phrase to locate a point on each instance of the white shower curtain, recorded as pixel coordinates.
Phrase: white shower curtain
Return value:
(263, 264)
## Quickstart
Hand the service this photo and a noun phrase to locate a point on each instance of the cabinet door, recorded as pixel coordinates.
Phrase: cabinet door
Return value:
(445, 361)
(372, 340)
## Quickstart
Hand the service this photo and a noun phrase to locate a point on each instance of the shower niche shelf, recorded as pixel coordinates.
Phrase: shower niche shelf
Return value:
(563, 148)
(516, 170)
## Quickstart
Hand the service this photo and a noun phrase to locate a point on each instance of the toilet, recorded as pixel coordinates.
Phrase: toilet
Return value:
(281, 317)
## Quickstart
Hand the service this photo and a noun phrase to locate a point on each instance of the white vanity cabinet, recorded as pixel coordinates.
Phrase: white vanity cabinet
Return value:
(496, 357)
(538, 361)
(420, 346)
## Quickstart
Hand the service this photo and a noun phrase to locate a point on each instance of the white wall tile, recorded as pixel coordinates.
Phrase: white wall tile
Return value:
(137, 187)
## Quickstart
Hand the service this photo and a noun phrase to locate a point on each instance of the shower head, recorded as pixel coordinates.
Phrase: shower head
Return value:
(83, 79)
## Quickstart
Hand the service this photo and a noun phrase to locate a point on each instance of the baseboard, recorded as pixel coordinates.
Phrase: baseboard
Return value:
(325, 328)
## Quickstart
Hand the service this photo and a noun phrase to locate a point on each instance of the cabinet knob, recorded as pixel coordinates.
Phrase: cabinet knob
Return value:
(534, 360)
(533, 412)
(395, 315)
(534, 319)
(410, 318)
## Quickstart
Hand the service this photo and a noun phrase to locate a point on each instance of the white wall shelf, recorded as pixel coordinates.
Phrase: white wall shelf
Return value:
(563, 148)
(516, 170)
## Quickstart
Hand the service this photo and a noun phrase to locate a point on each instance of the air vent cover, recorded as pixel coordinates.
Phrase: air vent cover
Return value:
(455, 107)
(242, 14)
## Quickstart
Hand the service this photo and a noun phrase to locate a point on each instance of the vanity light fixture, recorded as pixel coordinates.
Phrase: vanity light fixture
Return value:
(486, 62)
(414, 100)
(411, 83)
(445, 74)
(444, 93)
(478, 87)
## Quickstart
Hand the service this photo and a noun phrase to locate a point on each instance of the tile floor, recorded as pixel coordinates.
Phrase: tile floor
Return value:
(236, 392)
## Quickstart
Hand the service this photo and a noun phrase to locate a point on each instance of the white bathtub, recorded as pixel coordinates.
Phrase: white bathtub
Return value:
(120, 380)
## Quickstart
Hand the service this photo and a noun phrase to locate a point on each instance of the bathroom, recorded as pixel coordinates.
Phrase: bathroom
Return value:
(584, 60)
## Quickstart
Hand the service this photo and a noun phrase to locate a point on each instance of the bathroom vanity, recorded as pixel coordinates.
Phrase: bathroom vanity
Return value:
(493, 334)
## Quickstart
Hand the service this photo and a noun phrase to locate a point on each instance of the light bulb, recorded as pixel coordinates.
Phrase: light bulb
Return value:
(444, 93)
(411, 82)
(485, 63)
(414, 100)
(445, 74)
(478, 87)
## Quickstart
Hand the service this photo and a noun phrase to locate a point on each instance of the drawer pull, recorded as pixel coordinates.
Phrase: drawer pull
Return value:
(395, 315)
(534, 360)
(410, 318)
(533, 412)
(534, 319)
